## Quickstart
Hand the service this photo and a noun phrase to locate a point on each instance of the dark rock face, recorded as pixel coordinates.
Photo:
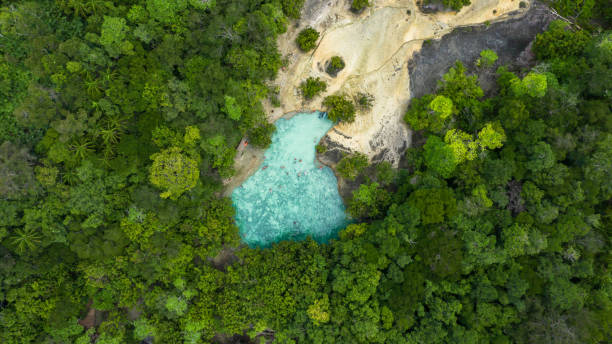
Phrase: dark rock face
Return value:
(509, 39)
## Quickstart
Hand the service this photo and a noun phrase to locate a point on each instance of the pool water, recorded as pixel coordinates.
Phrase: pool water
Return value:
(291, 196)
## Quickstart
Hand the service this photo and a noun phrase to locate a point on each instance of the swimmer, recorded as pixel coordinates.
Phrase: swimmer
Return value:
(282, 167)
(263, 168)
(300, 160)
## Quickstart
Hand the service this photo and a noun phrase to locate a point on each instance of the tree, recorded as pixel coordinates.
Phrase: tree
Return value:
(434, 205)
(232, 108)
(112, 36)
(16, 172)
(335, 65)
(560, 41)
(462, 144)
(542, 157)
(340, 108)
(491, 136)
(369, 201)
(352, 165)
(319, 311)
(307, 39)
(173, 172)
(312, 87)
(487, 58)
(442, 106)
(533, 85)
(439, 156)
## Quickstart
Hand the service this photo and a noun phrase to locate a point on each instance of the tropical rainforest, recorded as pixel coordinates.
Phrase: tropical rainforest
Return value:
(119, 122)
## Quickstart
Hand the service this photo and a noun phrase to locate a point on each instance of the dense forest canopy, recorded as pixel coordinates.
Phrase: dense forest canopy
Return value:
(119, 121)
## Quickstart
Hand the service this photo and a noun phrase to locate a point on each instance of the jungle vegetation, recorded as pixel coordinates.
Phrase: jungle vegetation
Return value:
(119, 120)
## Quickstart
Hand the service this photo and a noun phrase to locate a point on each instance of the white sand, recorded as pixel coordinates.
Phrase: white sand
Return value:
(376, 47)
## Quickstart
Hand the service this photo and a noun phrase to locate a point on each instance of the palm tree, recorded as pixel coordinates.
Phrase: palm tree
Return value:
(81, 147)
(25, 239)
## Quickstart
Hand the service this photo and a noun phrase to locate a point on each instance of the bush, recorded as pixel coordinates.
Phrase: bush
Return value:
(312, 86)
(352, 165)
(359, 5)
(365, 100)
(307, 39)
(320, 149)
(261, 136)
(339, 108)
(335, 65)
(455, 4)
(487, 58)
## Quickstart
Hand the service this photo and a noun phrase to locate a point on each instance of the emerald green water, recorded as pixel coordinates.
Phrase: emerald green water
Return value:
(291, 196)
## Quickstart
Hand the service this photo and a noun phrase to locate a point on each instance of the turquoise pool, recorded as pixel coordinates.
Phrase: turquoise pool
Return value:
(291, 196)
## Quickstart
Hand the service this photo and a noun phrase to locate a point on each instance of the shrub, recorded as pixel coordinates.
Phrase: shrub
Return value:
(339, 108)
(359, 5)
(312, 86)
(261, 136)
(455, 4)
(307, 39)
(352, 165)
(365, 100)
(335, 65)
(487, 58)
(321, 149)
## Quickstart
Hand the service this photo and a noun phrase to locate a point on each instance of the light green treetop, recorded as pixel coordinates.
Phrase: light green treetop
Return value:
(174, 172)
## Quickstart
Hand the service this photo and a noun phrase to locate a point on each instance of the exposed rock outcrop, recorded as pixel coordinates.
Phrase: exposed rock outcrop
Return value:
(376, 46)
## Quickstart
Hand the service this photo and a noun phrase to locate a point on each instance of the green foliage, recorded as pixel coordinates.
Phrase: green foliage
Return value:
(261, 136)
(340, 108)
(334, 65)
(16, 172)
(487, 58)
(232, 108)
(359, 5)
(456, 4)
(312, 87)
(113, 36)
(173, 172)
(497, 232)
(560, 41)
(352, 165)
(365, 101)
(440, 157)
(307, 39)
(442, 107)
(533, 85)
(434, 205)
(292, 8)
(369, 201)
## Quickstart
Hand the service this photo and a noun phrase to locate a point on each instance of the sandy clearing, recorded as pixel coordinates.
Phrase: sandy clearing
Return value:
(376, 46)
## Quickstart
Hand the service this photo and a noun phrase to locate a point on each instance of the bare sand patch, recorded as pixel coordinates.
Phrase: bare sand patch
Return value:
(376, 46)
